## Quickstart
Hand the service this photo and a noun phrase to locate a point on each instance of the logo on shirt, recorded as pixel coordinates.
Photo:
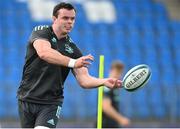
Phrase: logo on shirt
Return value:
(54, 40)
(70, 40)
(69, 49)
(58, 111)
(51, 121)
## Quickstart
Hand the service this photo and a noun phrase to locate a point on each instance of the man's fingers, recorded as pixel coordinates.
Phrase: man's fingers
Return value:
(118, 82)
(89, 57)
(86, 60)
(113, 83)
(86, 63)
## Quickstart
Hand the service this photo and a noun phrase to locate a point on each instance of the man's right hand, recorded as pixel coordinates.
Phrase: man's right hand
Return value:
(124, 122)
(84, 61)
(112, 83)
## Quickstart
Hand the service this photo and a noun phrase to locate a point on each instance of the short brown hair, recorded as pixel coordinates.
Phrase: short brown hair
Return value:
(118, 65)
(62, 5)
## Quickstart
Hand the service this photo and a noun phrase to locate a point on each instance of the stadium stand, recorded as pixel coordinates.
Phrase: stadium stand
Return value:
(143, 33)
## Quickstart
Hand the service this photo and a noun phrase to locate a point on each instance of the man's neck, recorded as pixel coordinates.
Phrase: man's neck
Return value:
(58, 33)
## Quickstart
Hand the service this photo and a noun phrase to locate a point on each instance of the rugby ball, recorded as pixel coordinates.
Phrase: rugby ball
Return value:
(136, 77)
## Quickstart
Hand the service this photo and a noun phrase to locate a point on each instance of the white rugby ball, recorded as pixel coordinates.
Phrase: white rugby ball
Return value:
(136, 77)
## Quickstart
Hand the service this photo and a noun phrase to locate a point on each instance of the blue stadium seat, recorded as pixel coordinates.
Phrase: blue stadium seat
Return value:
(2, 101)
(159, 8)
(143, 110)
(11, 101)
(159, 111)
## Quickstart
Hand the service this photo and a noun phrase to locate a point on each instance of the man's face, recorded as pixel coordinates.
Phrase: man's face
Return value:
(115, 73)
(65, 20)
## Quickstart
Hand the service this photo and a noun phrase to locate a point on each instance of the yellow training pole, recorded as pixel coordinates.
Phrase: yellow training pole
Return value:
(100, 93)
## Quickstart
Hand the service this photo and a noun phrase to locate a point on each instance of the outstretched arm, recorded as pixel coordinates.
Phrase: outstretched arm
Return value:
(45, 52)
(110, 111)
(88, 81)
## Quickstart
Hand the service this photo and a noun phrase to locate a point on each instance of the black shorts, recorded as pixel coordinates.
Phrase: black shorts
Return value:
(32, 114)
(109, 123)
